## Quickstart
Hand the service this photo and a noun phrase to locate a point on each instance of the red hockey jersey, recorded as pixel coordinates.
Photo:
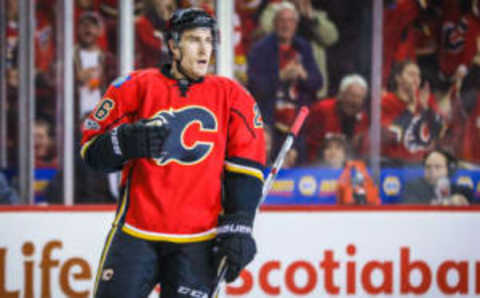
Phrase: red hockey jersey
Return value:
(406, 135)
(213, 128)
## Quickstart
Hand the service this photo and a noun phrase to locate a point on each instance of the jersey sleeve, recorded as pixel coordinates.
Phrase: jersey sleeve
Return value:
(115, 108)
(245, 156)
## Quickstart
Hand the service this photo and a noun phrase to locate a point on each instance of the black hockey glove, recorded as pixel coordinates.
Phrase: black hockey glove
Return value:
(235, 242)
(144, 138)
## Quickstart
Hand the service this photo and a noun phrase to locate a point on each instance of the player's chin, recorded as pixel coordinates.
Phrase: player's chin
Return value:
(200, 72)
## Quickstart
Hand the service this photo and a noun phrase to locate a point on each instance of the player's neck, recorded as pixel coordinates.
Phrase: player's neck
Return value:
(176, 74)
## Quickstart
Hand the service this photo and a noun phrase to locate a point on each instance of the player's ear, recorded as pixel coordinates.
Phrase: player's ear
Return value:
(174, 48)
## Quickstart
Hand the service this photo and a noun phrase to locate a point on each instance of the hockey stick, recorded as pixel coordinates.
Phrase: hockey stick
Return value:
(287, 144)
(277, 165)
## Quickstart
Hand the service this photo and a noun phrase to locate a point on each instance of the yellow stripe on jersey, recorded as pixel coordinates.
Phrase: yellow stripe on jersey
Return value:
(109, 240)
(85, 146)
(132, 231)
(241, 169)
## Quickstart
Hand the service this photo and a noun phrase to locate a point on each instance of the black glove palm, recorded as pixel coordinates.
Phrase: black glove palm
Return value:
(144, 138)
(235, 242)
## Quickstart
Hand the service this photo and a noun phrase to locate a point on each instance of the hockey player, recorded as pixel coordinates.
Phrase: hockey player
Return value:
(191, 150)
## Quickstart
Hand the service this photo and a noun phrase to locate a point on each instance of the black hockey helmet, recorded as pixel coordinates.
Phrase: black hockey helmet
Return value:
(189, 18)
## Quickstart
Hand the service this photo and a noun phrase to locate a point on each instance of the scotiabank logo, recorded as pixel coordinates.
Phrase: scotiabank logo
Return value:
(44, 266)
(73, 269)
(416, 277)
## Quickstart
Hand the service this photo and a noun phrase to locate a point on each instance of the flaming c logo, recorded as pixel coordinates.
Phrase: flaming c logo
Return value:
(186, 145)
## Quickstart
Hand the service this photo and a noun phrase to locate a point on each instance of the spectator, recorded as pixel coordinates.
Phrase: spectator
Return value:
(435, 187)
(457, 26)
(355, 186)
(398, 33)
(472, 35)
(8, 195)
(246, 33)
(45, 57)
(151, 48)
(89, 63)
(411, 31)
(467, 121)
(315, 26)
(344, 115)
(287, 81)
(110, 14)
(83, 6)
(291, 158)
(248, 11)
(46, 161)
(12, 33)
(90, 186)
(411, 124)
(426, 44)
(334, 152)
(45, 156)
(44, 37)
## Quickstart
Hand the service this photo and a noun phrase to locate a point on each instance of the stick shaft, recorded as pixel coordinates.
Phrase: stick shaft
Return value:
(287, 144)
(277, 165)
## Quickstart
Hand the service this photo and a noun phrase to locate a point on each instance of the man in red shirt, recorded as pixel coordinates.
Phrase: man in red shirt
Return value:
(192, 152)
(344, 115)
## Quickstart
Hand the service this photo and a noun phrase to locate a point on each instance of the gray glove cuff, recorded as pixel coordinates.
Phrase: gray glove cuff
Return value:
(115, 142)
(235, 224)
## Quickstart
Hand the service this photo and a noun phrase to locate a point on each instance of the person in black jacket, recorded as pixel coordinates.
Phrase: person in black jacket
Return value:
(435, 187)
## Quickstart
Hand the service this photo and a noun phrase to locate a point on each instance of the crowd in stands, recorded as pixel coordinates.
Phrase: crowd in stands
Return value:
(289, 53)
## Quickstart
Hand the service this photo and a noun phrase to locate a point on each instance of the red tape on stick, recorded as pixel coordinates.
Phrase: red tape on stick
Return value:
(297, 124)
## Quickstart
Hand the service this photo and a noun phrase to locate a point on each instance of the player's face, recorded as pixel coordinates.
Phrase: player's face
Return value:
(435, 167)
(195, 49)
